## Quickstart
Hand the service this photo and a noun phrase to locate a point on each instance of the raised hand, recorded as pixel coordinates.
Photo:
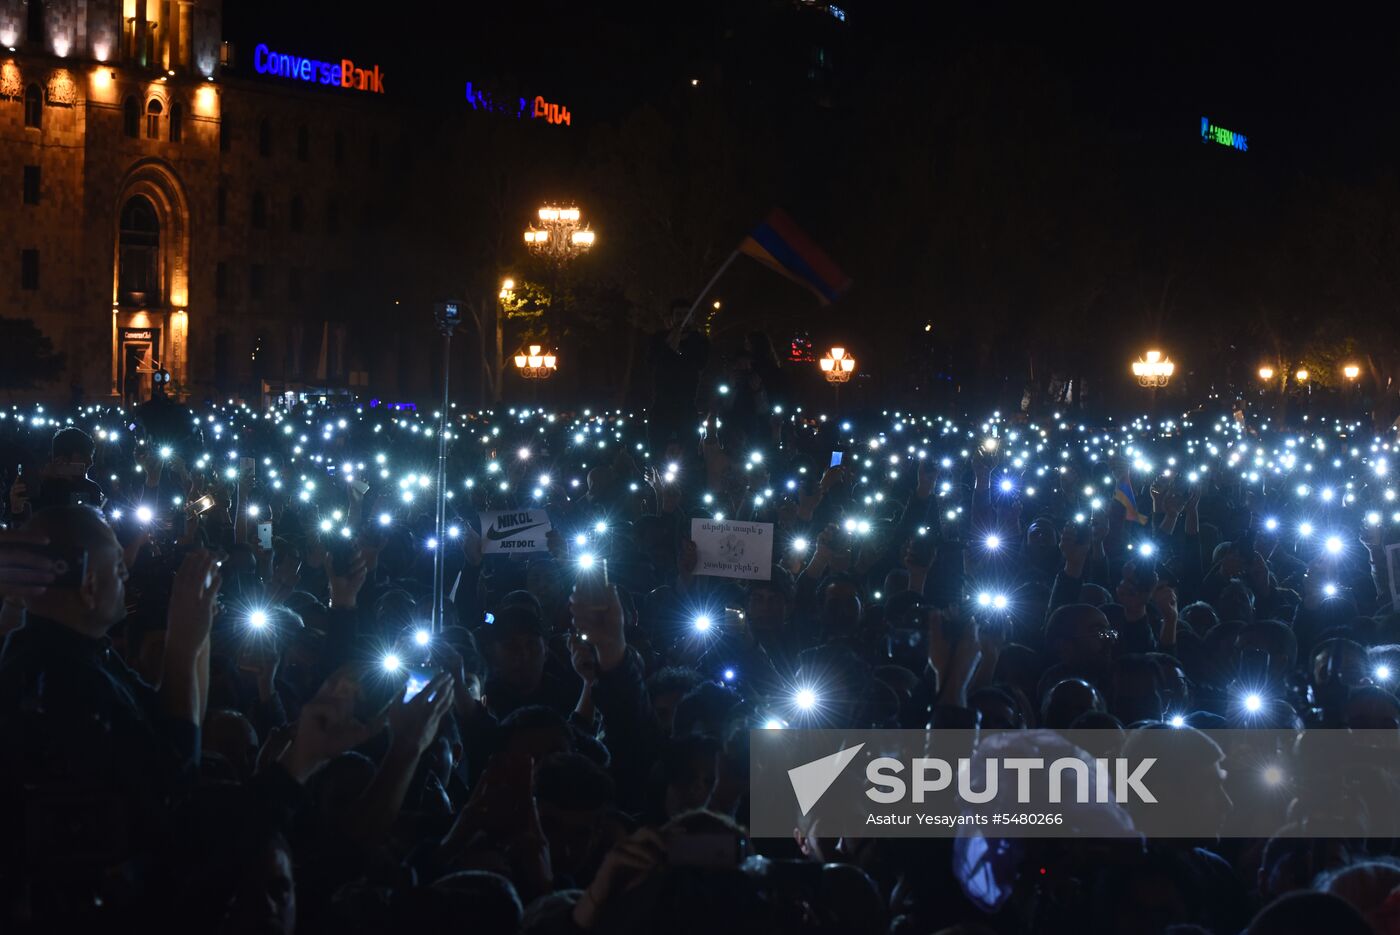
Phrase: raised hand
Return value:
(327, 727)
(414, 723)
(602, 626)
(193, 598)
(345, 588)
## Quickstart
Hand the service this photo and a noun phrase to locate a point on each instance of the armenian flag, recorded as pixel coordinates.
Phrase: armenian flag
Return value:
(1124, 495)
(782, 246)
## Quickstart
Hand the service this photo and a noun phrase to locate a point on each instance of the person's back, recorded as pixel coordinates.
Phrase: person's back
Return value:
(87, 756)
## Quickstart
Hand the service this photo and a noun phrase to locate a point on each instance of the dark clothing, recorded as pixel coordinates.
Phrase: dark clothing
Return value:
(66, 491)
(88, 763)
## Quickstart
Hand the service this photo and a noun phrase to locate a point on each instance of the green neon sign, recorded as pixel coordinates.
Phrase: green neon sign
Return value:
(1210, 133)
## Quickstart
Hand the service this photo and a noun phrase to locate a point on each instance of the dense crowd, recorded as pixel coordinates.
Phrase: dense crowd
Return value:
(224, 706)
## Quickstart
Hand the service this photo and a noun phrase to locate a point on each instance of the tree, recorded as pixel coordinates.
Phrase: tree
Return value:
(27, 357)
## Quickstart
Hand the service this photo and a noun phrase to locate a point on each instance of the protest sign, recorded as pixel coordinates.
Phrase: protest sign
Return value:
(504, 532)
(733, 550)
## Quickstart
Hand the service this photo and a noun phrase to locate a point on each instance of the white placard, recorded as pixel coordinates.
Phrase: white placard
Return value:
(506, 532)
(733, 550)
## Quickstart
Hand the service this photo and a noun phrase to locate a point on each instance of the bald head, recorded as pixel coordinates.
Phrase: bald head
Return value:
(98, 600)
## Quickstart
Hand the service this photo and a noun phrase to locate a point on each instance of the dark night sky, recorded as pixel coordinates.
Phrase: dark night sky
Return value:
(1314, 93)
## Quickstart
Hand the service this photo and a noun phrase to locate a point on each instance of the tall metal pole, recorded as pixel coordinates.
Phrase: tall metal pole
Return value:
(439, 572)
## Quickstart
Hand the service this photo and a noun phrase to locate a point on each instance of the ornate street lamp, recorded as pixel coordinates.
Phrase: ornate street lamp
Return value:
(837, 366)
(534, 364)
(561, 234)
(1266, 373)
(1153, 371)
(1351, 372)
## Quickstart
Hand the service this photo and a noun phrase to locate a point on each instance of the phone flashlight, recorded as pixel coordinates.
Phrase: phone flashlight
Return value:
(390, 662)
(144, 514)
(1177, 721)
(257, 619)
(729, 675)
(1382, 673)
(586, 560)
(799, 545)
(805, 699)
(600, 527)
(166, 451)
(702, 623)
(422, 637)
(993, 542)
(1252, 702)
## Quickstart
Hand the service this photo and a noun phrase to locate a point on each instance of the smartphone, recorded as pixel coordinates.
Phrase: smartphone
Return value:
(592, 584)
(713, 850)
(835, 459)
(202, 505)
(248, 467)
(360, 487)
(417, 681)
(265, 536)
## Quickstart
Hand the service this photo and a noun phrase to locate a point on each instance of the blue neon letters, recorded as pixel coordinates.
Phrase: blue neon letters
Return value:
(1210, 133)
(344, 73)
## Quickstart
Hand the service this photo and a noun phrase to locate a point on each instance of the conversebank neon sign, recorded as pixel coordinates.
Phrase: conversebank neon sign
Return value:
(342, 74)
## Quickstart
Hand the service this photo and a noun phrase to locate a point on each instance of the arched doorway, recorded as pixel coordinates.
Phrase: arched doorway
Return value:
(150, 282)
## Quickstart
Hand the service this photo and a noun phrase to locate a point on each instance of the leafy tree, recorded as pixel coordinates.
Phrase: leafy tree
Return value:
(27, 357)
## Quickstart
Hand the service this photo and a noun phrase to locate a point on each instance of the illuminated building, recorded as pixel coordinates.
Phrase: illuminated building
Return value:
(170, 211)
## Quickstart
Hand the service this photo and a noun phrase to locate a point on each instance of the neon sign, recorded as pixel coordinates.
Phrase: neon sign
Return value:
(1210, 133)
(342, 74)
(536, 108)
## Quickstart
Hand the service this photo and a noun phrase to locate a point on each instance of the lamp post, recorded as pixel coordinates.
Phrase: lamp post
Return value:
(1153, 370)
(448, 316)
(534, 364)
(837, 367)
(506, 295)
(561, 234)
(1351, 372)
(1266, 373)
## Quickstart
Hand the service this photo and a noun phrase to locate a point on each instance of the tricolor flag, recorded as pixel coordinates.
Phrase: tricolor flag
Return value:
(1124, 495)
(782, 246)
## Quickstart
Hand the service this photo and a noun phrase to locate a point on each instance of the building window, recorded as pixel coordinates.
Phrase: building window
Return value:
(34, 27)
(221, 211)
(177, 121)
(138, 272)
(303, 143)
(31, 185)
(225, 134)
(153, 111)
(259, 211)
(265, 137)
(298, 213)
(339, 148)
(131, 118)
(257, 280)
(332, 217)
(294, 285)
(221, 280)
(29, 269)
(33, 107)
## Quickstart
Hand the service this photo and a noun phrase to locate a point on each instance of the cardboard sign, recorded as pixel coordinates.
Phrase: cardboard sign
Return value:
(733, 550)
(504, 532)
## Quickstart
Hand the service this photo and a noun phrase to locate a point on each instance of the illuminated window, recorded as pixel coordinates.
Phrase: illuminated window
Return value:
(33, 107)
(297, 213)
(153, 111)
(31, 185)
(29, 269)
(259, 211)
(138, 271)
(303, 143)
(131, 118)
(265, 137)
(177, 121)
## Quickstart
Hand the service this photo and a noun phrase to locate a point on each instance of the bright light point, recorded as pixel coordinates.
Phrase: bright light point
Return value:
(994, 542)
(799, 545)
(1006, 485)
(325, 525)
(806, 699)
(432, 543)
(1252, 702)
(984, 599)
(600, 527)
(702, 623)
(385, 519)
(524, 454)
(585, 560)
(166, 451)
(144, 514)
(257, 619)
(422, 637)
(772, 724)
(1146, 549)
(1273, 775)
(253, 510)
(729, 675)
(1271, 524)
(1382, 673)
(1330, 590)
(391, 663)
(1177, 721)
(1334, 545)
(580, 539)
(999, 601)
(1305, 529)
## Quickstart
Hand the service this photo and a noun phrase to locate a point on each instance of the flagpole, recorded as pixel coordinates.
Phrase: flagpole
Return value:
(680, 329)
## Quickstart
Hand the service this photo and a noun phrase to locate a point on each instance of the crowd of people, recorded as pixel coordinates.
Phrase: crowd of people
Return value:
(224, 705)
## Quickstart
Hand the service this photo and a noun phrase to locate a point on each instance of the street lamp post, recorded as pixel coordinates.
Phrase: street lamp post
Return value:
(561, 234)
(448, 316)
(1154, 370)
(507, 294)
(837, 367)
(535, 364)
